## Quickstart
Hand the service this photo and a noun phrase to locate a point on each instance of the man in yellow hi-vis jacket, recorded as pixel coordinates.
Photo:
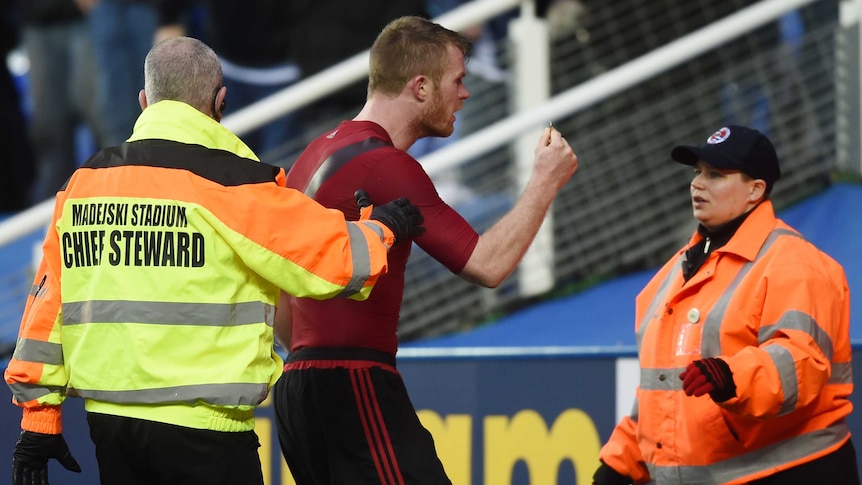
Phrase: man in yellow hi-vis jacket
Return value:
(743, 341)
(155, 297)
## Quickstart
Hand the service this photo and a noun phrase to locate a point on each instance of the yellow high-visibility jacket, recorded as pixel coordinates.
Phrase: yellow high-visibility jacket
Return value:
(777, 310)
(160, 274)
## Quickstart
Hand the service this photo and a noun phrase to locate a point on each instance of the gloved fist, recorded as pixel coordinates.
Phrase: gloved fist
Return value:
(31, 455)
(400, 216)
(606, 475)
(708, 376)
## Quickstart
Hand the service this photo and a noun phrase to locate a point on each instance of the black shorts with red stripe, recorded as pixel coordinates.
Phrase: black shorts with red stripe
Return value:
(344, 417)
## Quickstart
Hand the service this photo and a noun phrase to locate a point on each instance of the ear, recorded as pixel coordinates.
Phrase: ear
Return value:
(758, 189)
(421, 87)
(219, 103)
(142, 99)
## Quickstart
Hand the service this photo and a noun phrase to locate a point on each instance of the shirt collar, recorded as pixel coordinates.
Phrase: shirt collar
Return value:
(746, 238)
(177, 121)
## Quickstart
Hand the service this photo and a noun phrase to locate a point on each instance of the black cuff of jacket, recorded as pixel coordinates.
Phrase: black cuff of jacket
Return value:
(605, 475)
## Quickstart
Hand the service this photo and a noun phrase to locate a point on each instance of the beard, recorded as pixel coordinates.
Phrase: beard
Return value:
(436, 119)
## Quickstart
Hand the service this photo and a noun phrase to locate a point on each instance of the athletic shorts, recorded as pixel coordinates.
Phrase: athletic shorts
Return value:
(343, 416)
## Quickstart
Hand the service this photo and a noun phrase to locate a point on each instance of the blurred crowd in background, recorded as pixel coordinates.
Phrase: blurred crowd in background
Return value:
(74, 69)
(78, 67)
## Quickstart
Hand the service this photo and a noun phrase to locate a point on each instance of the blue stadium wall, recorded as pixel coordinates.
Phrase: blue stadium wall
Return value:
(527, 419)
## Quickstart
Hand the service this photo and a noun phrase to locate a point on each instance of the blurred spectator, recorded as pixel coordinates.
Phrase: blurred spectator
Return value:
(485, 55)
(326, 32)
(122, 33)
(18, 156)
(252, 40)
(752, 101)
(60, 85)
(566, 18)
(795, 87)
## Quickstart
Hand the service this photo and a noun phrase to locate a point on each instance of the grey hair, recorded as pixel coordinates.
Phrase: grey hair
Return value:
(183, 69)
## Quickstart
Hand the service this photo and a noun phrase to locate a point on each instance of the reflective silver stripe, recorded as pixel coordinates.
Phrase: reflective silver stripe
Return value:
(842, 373)
(217, 394)
(24, 392)
(659, 297)
(765, 458)
(661, 379)
(796, 320)
(30, 350)
(710, 343)
(373, 227)
(781, 357)
(668, 475)
(168, 313)
(361, 259)
(783, 361)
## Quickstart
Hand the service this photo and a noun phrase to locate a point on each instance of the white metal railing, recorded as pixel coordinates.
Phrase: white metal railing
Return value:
(347, 72)
(497, 134)
(850, 20)
(26, 221)
(289, 99)
(535, 274)
(605, 85)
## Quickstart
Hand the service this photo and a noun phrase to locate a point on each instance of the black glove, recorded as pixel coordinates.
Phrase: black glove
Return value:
(400, 216)
(31, 455)
(709, 376)
(606, 475)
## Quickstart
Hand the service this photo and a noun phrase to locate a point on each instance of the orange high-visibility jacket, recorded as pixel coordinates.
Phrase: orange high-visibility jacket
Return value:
(777, 310)
(160, 274)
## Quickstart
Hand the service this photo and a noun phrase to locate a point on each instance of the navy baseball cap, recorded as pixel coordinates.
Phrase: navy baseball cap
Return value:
(735, 148)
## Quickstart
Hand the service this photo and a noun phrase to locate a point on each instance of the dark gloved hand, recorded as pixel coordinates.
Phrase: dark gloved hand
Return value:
(606, 475)
(709, 376)
(400, 216)
(31, 455)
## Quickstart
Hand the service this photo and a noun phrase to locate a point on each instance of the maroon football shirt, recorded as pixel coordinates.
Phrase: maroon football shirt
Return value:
(360, 155)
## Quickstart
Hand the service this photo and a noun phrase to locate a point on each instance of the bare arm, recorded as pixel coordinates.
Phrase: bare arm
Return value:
(502, 246)
(283, 324)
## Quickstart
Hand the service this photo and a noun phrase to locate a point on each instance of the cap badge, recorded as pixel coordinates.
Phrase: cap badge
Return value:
(719, 136)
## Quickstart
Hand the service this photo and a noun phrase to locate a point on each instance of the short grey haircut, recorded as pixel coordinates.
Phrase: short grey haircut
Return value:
(182, 69)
